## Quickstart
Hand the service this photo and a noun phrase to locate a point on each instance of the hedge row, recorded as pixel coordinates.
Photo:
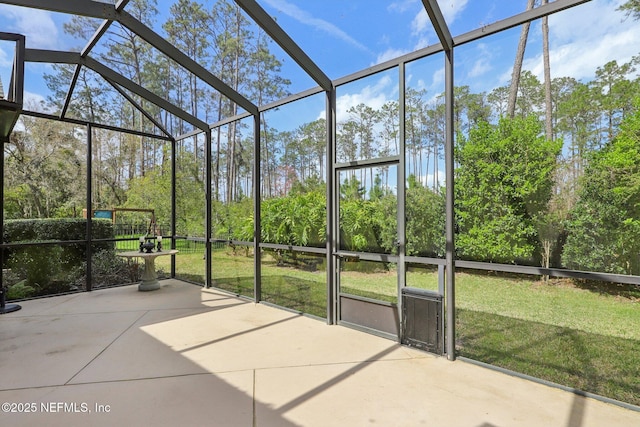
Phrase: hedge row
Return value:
(60, 229)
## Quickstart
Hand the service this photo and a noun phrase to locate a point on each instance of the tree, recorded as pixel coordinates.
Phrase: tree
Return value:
(126, 53)
(351, 189)
(44, 174)
(425, 225)
(270, 151)
(229, 34)
(604, 226)
(313, 137)
(503, 183)
(415, 138)
(390, 133)
(298, 218)
(364, 119)
(376, 192)
(346, 146)
(498, 98)
(517, 66)
(266, 84)
(530, 101)
(631, 8)
(547, 76)
(470, 106)
(187, 30)
(577, 118)
(434, 124)
(614, 93)
(153, 190)
(389, 115)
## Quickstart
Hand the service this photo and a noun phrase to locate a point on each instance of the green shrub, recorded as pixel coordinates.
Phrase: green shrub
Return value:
(45, 267)
(603, 227)
(20, 291)
(27, 230)
(296, 219)
(38, 265)
(107, 269)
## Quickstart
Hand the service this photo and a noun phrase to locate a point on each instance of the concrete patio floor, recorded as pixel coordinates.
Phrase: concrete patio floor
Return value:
(185, 356)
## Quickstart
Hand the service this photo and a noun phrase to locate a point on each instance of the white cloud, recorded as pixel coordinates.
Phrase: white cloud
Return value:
(580, 61)
(390, 54)
(37, 26)
(420, 23)
(482, 65)
(582, 39)
(371, 96)
(423, 41)
(451, 9)
(374, 96)
(306, 18)
(431, 80)
(421, 28)
(438, 78)
(579, 46)
(6, 59)
(401, 6)
(33, 102)
(588, 21)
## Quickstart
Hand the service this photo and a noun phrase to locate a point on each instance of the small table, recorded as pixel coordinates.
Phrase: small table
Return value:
(149, 277)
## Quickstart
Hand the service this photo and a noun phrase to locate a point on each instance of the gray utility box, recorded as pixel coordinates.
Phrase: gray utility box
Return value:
(422, 320)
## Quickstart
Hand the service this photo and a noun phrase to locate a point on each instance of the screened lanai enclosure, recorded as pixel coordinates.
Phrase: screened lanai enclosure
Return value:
(461, 177)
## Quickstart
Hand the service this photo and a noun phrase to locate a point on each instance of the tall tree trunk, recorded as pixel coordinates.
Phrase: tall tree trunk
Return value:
(517, 66)
(267, 159)
(436, 182)
(547, 76)
(216, 174)
(231, 161)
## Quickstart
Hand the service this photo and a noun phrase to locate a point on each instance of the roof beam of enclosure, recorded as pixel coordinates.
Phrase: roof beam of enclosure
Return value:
(60, 57)
(52, 56)
(439, 24)
(90, 45)
(94, 9)
(269, 25)
(95, 125)
(102, 29)
(139, 108)
(168, 49)
(72, 85)
(113, 76)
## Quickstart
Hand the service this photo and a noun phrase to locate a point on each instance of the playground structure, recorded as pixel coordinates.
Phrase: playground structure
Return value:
(128, 228)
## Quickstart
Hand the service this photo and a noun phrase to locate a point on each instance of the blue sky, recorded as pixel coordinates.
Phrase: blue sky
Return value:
(343, 37)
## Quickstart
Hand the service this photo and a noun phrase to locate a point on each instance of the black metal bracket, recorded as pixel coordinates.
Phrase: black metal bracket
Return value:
(6, 308)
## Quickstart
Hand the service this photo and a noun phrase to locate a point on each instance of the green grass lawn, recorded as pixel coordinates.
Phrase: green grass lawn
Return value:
(596, 363)
(571, 334)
